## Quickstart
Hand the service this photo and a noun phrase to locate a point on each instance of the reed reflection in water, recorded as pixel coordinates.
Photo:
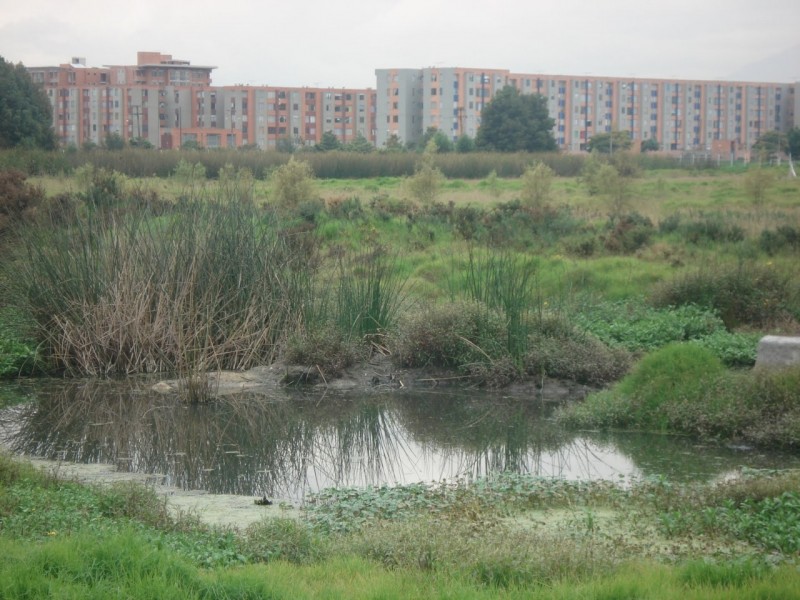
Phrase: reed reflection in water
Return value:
(286, 445)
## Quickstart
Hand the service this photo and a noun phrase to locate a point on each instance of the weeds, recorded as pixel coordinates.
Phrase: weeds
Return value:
(210, 286)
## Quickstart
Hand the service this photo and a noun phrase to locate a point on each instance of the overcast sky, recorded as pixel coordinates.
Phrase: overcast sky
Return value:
(340, 44)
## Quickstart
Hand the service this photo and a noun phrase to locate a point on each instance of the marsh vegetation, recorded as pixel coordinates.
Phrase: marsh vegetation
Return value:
(646, 280)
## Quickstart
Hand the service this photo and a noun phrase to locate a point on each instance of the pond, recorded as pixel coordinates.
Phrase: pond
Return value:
(286, 445)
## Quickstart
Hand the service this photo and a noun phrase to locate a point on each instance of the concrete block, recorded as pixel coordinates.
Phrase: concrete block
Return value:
(778, 351)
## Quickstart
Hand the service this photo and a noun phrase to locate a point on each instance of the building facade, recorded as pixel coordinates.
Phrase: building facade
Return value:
(718, 117)
(170, 102)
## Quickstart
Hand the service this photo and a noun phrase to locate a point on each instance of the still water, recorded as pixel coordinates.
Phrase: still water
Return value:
(288, 445)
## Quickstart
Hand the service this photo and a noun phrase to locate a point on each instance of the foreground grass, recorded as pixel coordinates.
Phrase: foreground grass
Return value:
(509, 537)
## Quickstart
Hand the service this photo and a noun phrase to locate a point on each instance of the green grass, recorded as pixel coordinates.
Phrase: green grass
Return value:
(510, 536)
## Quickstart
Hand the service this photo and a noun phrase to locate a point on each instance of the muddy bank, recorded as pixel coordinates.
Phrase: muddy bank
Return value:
(225, 510)
(378, 374)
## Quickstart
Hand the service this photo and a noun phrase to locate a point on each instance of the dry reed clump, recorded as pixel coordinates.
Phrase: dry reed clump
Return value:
(206, 286)
(583, 359)
(454, 334)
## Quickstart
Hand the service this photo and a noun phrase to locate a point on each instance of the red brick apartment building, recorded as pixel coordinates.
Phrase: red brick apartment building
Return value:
(169, 102)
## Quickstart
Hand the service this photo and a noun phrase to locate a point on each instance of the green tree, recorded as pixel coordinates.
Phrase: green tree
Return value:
(328, 142)
(771, 144)
(793, 141)
(443, 143)
(513, 122)
(608, 143)
(140, 142)
(360, 144)
(285, 145)
(650, 145)
(26, 115)
(465, 144)
(114, 141)
(393, 143)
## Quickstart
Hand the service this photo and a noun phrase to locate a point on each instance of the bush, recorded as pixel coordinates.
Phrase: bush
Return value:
(784, 237)
(745, 294)
(17, 197)
(325, 348)
(629, 233)
(293, 183)
(454, 334)
(676, 375)
(637, 327)
(583, 359)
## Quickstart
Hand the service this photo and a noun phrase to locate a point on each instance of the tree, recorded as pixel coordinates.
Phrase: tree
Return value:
(140, 142)
(285, 144)
(114, 141)
(770, 144)
(360, 144)
(393, 143)
(443, 143)
(465, 144)
(650, 145)
(26, 115)
(513, 122)
(608, 143)
(793, 141)
(328, 142)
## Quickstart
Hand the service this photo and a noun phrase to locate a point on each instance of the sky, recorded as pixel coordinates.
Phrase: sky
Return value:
(324, 43)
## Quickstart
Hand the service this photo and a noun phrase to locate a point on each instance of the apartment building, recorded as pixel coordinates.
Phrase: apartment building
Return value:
(170, 102)
(718, 117)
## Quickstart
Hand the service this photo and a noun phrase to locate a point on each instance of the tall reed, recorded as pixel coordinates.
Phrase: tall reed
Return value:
(506, 282)
(208, 285)
(369, 294)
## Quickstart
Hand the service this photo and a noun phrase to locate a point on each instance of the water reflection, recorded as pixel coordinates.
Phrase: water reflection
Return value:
(285, 446)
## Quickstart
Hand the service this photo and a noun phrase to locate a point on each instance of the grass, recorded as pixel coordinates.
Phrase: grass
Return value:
(685, 388)
(510, 536)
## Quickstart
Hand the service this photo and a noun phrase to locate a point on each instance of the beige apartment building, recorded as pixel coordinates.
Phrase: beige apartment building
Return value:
(718, 117)
(170, 102)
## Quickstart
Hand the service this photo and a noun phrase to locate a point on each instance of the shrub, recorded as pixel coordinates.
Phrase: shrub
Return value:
(629, 233)
(583, 359)
(17, 197)
(676, 375)
(745, 294)
(325, 348)
(637, 327)
(427, 180)
(537, 182)
(292, 183)
(784, 237)
(453, 334)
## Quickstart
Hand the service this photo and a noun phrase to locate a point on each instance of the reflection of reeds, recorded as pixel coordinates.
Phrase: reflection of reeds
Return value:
(252, 444)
